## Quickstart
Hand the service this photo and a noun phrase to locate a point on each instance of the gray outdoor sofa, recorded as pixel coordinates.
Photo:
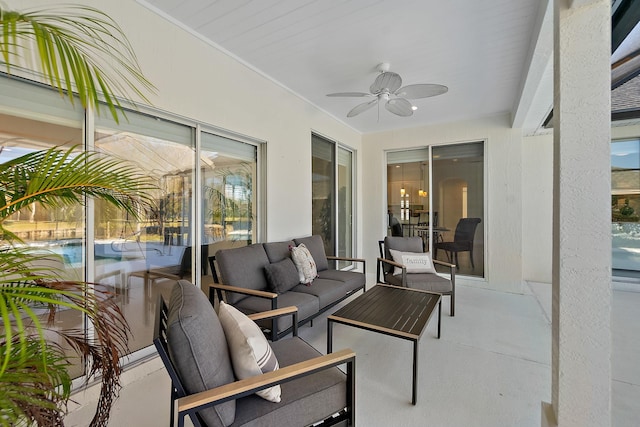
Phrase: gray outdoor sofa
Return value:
(240, 279)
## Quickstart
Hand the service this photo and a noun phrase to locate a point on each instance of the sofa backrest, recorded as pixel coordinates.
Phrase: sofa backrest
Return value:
(243, 267)
(277, 251)
(198, 349)
(316, 248)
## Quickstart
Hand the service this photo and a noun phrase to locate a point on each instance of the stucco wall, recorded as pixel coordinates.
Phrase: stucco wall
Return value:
(503, 210)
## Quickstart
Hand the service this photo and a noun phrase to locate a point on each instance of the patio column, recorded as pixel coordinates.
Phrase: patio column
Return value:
(581, 306)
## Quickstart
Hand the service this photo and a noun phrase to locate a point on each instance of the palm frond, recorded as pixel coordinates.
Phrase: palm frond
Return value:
(56, 177)
(79, 49)
(35, 386)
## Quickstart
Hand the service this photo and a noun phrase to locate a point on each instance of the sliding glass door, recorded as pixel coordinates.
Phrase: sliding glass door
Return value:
(332, 196)
(437, 193)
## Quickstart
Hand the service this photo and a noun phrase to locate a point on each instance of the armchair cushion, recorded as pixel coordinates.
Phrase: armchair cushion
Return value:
(282, 275)
(251, 354)
(198, 348)
(414, 262)
(305, 263)
(304, 400)
(423, 281)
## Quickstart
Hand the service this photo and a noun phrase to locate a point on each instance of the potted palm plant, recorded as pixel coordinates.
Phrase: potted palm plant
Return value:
(85, 55)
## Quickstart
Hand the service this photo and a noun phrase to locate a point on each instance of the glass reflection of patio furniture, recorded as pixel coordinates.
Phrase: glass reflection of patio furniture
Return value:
(462, 240)
(157, 270)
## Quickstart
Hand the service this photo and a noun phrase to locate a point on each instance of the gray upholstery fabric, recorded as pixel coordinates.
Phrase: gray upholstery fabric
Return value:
(282, 275)
(243, 267)
(316, 247)
(404, 244)
(304, 401)
(307, 306)
(327, 291)
(424, 281)
(351, 279)
(198, 348)
(277, 251)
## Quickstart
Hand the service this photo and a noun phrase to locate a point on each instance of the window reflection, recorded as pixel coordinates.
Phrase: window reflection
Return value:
(625, 205)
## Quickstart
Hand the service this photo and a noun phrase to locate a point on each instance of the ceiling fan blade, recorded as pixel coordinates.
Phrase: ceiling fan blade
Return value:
(350, 94)
(421, 91)
(362, 107)
(386, 80)
(399, 106)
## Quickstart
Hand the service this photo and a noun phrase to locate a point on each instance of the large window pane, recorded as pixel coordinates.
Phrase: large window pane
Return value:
(228, 186)
(34, 118)
(143, 257)
(345, 205)
(322, 191)
(625, 205)
(457, 195)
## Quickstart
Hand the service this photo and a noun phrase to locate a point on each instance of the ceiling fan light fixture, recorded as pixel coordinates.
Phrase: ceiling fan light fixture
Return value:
(387, 88)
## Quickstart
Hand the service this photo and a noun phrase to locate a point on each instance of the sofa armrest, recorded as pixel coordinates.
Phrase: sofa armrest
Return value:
(279, 312)
(241, 388)
(245, 291)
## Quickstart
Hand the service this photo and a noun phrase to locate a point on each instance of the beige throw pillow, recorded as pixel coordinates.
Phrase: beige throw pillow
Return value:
(250, 351)
(415, 262)
(304, 262)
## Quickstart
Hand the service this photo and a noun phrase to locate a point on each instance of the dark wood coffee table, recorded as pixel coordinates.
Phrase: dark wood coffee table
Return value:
(390, 310)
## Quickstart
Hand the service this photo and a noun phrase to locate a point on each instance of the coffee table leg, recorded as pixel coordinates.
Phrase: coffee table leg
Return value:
(329, 336)
(414, 396)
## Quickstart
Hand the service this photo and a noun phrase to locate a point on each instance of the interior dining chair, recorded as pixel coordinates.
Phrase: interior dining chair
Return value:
(462, 240)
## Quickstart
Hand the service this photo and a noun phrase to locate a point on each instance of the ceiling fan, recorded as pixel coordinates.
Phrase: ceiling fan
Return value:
(387, 88)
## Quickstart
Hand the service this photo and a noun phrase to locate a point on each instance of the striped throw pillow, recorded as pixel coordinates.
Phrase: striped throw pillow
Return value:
(250, 351)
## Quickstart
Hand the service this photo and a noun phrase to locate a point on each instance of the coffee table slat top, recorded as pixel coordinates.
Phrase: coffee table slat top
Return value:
(401, 311)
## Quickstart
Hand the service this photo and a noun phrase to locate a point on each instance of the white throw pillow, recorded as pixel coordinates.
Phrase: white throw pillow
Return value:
(250, 351)
(304, 262)
(416, 262)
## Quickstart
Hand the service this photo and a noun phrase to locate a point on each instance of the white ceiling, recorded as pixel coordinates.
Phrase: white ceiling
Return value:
(483, 50)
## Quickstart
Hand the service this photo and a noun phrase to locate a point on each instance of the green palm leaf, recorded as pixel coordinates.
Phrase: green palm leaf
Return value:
(60, 178)
(79, 49)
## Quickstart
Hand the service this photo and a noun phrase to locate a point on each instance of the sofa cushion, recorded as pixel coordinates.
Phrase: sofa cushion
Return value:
(198, 348)
(277, 251)
(315, 245)
(414, 262)
(352, 280)
(251, 354)
(282, 275)
(243, 267)
(307, 306)
(304, 400)
(327, 291)
(305, 263)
